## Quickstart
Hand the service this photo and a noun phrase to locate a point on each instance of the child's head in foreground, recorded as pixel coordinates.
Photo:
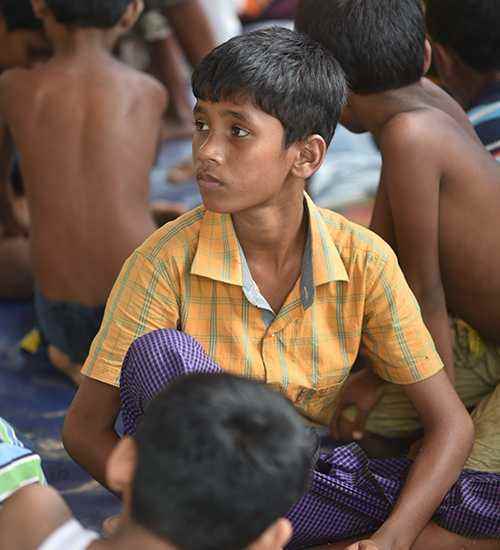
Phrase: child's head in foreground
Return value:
(466, 39)
(216, 463)
(268, 103)
(21, 36)
(380, 44)
(119, 15)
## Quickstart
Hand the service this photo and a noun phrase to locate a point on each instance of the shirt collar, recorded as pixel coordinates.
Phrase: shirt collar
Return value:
(218, 254)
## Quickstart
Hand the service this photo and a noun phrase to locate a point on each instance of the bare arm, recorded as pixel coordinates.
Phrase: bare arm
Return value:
(88, 434)
(7, 217)
(30, 515)
(192, 29)
(448, 437)
(410, 189)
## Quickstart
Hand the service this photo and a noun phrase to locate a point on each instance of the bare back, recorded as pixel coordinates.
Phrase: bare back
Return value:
(87, 133)
(434, 162)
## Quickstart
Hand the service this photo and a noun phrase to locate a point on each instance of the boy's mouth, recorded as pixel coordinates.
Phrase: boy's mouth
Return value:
(207, 180)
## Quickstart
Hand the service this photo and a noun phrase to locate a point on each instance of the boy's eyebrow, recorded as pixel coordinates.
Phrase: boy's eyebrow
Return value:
(236, 114)
(198, 109)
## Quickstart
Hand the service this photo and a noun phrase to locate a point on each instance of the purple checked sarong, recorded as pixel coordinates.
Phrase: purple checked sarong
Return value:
(350, 495)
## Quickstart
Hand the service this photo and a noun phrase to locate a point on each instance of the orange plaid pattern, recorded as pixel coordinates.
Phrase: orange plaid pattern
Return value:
(188, 275)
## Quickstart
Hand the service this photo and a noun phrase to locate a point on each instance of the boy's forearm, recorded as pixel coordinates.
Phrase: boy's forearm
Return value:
(434, 471)
(92, 451)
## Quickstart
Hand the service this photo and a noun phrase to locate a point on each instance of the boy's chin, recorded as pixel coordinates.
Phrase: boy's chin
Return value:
(354, 127)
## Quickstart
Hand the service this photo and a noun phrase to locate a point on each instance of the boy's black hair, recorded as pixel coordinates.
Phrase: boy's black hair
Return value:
(220, 458)
(379, 43)
(471, 28)
(18, 15)
(102, 14)
(284, 73)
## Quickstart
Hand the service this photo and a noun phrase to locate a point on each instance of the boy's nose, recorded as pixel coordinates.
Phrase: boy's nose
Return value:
(211, 149)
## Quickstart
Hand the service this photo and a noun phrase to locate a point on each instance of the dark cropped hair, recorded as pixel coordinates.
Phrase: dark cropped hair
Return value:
(103, 14)
(220, 458)
(284, 73)
(379, 43)
(18, 15)
(471, 28)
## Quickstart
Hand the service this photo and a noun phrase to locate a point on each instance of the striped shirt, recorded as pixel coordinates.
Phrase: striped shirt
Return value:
(192, 275)
(485, 117)
(18, 466)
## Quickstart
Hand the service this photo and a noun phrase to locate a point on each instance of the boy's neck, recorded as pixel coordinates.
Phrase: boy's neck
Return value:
(373, 111)
(82, 41)
(281, 229)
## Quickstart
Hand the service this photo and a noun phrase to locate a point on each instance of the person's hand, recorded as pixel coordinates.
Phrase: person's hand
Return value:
(362, 389)
(364, 545)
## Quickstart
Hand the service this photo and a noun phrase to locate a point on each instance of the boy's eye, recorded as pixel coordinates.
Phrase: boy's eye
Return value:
(201, 126)
(239, 132)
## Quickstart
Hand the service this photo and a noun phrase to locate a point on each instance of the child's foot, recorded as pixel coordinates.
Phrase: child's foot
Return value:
(63, 364)
(182, 172)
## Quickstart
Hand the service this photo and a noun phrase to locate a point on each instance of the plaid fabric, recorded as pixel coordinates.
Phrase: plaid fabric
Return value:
(18, 466)
(188, 276)
(350, 495)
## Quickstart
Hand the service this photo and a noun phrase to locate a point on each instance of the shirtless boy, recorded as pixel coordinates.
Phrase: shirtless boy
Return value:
(176, 498)
(86, 128)
(437, 203)
(22, 43)
(466, 53)
(273, 287)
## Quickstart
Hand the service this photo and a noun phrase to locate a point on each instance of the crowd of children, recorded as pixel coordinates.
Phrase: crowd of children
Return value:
(381, 333)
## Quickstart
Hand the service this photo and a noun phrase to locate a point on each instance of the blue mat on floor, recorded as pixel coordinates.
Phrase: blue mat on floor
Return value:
(34, 398)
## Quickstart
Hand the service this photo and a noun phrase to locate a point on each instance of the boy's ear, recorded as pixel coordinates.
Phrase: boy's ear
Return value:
(39, 8)
(427, 56)
(310, 156)
(132, 13)
(121, 465)
(274, 537)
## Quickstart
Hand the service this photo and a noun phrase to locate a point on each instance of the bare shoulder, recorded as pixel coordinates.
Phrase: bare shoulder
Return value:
(30, 515)
(145, 86)
(417, 128)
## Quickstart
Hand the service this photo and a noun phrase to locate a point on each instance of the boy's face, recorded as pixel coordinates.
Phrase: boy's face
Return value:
(239, 156)
(21, 48)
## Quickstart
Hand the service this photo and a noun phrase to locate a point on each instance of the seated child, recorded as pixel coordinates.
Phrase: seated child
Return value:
(349, 495)
(437, 205)
(22, 43)
(19, 467)
(215, 464)
(466, 48)
(86, 128)
(273, 287)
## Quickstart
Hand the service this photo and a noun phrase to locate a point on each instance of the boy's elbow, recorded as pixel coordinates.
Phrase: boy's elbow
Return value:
(72, 436)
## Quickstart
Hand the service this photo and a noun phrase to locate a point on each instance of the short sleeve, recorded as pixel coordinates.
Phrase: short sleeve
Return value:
(144, 298)
(400, 347)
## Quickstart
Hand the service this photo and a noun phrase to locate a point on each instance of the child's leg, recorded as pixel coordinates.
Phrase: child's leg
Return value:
(153, 362)
(433, 537)
(485, 455)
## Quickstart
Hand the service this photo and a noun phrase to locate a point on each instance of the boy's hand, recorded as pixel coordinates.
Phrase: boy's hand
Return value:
(363, 390)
